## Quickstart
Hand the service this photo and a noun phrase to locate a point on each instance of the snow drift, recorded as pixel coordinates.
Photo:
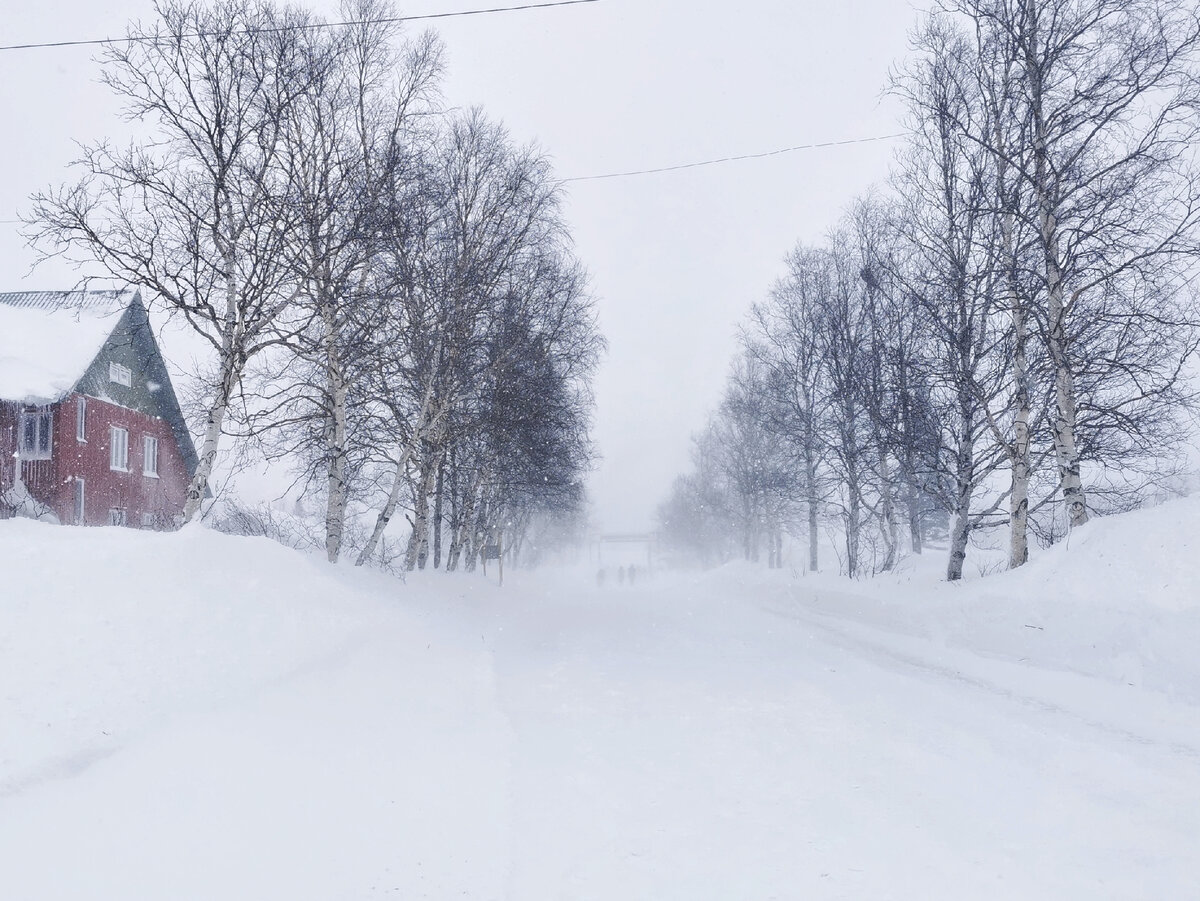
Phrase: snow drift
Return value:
(175, 721)
(198, 716)
(1119, 600)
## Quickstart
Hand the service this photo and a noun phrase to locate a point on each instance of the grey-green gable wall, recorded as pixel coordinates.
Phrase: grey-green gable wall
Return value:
(132, 344)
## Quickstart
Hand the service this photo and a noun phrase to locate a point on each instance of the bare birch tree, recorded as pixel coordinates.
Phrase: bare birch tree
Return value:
(351, 138)
(193, 211)
(487, 205)
(785, 334)
(955, 274)
(1106, 100)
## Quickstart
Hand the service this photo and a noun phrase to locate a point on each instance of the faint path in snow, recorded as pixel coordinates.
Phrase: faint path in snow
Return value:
(693, 740)
(1023, 685)
(684, 741)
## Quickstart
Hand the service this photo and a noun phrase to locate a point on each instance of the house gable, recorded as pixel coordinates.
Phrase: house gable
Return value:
(96, 372)
(132, 345)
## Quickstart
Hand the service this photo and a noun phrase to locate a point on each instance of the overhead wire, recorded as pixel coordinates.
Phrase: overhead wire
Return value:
(313, 25)
(299, 26)
(733, 159)
(478, 12)
(695, 165)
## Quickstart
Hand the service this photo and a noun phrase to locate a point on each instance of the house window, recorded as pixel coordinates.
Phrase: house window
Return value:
(150, 456)
(116, 517)
(147, 520)
(81, 419)
(36, 437)
(118, 449)
(120, 374)
(79, 489)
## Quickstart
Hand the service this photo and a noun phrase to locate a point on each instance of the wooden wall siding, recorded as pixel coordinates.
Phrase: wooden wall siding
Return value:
(53, 481)
(105, 488)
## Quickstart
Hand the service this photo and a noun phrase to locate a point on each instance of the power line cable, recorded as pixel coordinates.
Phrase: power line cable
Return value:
(733, 159)
(677, 168)
(713, 162)
(300, 27)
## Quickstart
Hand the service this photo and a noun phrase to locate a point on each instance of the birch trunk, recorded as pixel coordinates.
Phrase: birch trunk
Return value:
(746, 530)
(426, 420)
(420, 524)
(452, 553)
(810, 480)
(460, 537)
(418, 542)
(890, 527)
(1066, 449)
(853, 491)
(814, 538)
(912, 500)
(912, 504)
(1018, 545)
(198, 487)
(1018, 548)
(389, 507)
(337, 390)
(1065, 444)
(960, 532)
(853, 527)
(436, 525)
(476, 539)
(471, 545)
(912, 497)
(232, 344)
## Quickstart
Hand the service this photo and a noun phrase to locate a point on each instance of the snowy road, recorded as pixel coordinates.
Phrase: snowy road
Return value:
(677, 741)
(696, 746)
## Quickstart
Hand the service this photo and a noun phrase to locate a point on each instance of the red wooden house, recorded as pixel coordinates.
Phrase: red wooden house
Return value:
(90, 428)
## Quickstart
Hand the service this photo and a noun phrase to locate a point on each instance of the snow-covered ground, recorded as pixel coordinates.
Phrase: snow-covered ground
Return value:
(195, 716)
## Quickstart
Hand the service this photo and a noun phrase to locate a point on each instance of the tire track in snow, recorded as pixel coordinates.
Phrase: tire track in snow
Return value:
(895, 660)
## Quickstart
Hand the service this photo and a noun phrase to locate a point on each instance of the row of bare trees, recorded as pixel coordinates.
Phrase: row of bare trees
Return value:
(1002, 338)
(388, 289)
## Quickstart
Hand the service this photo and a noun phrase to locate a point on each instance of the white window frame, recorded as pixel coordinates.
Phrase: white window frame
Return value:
(81, 420)
(117, 516)
(147, 520)
(43, 434)
(150, 456)
(122, 375)
(118, 449)
(80, 500)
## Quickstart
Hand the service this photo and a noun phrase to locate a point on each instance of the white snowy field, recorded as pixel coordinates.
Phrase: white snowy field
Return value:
(194, 716)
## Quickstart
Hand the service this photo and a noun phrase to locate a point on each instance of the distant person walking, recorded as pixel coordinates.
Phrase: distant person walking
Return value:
(620, 575)
(632, 570)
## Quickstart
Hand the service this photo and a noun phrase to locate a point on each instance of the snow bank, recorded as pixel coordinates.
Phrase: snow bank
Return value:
(109, 631)
(195, 715)
(198, 716)
(1119, 600)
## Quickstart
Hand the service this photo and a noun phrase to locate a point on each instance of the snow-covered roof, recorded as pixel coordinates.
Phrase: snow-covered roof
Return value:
(48, 339)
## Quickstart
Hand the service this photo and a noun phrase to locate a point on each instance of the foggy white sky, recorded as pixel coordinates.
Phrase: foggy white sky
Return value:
(677, 258)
